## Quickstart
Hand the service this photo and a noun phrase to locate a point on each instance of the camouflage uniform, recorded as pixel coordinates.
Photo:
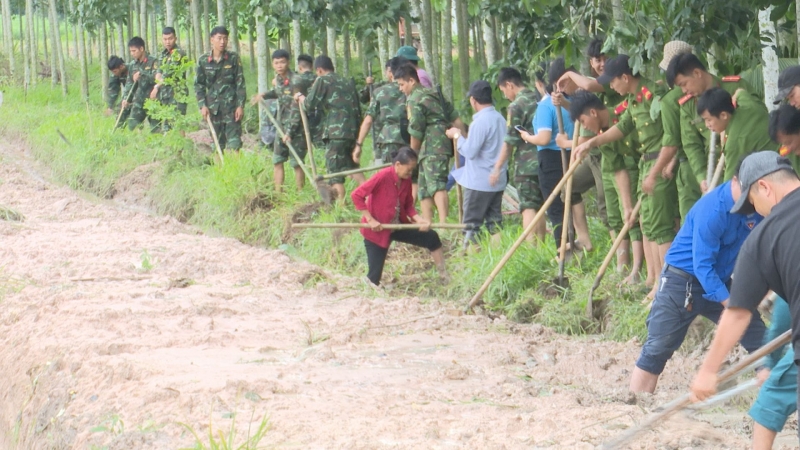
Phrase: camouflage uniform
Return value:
(388, 112)
(282, 92)
(526, 162)
(115, 87)
(171, 61)
(302, 83)
(147, 69)
(364, 94)
(427, 121)
(337, 101)
(220, 87)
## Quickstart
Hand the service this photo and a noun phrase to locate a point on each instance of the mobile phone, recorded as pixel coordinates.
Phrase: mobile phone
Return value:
(520, 128)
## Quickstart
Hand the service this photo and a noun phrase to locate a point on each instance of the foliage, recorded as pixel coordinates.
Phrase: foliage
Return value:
(222, 441)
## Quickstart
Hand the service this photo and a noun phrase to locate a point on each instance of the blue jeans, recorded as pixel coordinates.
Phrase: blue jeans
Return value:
(669, 320)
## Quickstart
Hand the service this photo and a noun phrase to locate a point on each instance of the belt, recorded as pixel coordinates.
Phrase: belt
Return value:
(652, 156)
(681, 273)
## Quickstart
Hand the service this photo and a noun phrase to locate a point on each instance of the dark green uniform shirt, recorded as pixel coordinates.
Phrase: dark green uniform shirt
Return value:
(641, 115)
(428, 120)
(115, 86)
(695, 136)
(520, 113)
(147, 69)
(219, 85)
(337, 101)
(747, 132)
(388, 111)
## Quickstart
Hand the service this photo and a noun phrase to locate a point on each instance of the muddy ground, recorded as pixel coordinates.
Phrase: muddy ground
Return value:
(117, 325)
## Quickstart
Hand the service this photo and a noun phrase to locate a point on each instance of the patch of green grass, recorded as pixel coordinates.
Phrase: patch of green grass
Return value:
(233, 438)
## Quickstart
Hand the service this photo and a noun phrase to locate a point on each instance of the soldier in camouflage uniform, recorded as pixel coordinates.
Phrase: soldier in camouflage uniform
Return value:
(171, 77)
(387, 115)
(220, 88)
(116, 84)
(429, 117)
(305, 70)
(337, 101)
(142, 79)
(526, 164)
(693, 79)
(282, 91)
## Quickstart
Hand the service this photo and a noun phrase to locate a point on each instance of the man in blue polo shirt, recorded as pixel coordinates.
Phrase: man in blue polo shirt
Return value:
(695, 281)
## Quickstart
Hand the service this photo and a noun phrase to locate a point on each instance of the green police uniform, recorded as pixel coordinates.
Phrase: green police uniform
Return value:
(388, 112)
(337, 101)
(115, 87)
(695, 135)
(173, 69)
(615, 157)
(658, 211)
(428, 121)
(287, 116)
(526, 161)
(685, 181)
(147, 69)
(220, 87)
(747, 132)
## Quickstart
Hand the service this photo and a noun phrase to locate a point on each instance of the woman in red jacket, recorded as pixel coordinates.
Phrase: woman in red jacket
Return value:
(386, 199)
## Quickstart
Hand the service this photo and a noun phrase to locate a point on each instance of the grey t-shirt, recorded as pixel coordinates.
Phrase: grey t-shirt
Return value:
(770, 260)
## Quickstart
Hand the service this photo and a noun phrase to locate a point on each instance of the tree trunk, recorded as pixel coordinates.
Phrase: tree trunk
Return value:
(169, 18)
(143, 19)
(204, 30)
(619, 19)
(234, 29)
(189, 41)
(490, 45)
(383, 53)
(346, 58)
(26, 52)
(447, 49)
(131, 16)
(362, 55)
(418, 9)
(262, 53)
(408, 31)
(57, 51)
(8, 35)
(251, 32)
(297, 38)
(82, 62)
(498, 43)
(194, 9)
(44, 36)
(30, 36)
(436, 43)
(220, 13)
(769, 57)
(121, 39)
(394, 37)
(330, 40)
(154, 33)
(312, 47)
(103, 35)
(462, 23)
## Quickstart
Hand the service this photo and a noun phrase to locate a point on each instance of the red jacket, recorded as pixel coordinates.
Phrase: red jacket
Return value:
(380, 195)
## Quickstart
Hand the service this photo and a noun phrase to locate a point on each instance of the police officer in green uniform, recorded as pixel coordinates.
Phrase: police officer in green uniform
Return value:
(283, 91)
(742, 122)
(142, 79)
(526, 163)
(387, 115)
(692, 77)
(784, 128)
(641, 115)
(116, 84)
(220, 88)
(428, 120)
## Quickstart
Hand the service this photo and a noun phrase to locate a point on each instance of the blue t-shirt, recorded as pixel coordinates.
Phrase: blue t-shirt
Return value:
(545, 119)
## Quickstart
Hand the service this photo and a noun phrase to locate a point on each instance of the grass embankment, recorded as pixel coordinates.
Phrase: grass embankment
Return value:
(238, 200)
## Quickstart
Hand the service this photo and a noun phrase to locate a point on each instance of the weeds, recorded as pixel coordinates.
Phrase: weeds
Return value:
(230, 441)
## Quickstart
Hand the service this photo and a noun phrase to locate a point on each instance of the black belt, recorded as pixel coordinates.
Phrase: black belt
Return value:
(681, 273)
(652, 156)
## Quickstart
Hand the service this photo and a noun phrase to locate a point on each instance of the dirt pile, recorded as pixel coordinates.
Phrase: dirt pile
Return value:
(116, 326)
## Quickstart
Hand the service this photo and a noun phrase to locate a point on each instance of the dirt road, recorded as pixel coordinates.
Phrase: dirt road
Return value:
(116, 325)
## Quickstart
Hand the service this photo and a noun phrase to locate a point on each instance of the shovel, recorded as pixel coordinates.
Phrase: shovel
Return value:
(566, 223)
(309, 144)
(607, 261)
(322, 190)
(216, 140)
(684, 401)
(121, 109)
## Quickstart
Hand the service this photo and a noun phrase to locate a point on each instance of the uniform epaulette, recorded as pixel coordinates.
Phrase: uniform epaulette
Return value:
(784, 150)
(731, 78)
(685, 99)
(621, 108)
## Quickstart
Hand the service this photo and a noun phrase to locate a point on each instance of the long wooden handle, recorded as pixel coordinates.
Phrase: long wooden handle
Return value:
(121, 109)
(309, 144)
(216, 140)
(684, 401)
(712, 156)
(528, 230)
(620, 237)
(352, 172)
(565, 223)
(387, 226)
(288, 144)
(717, 173)
(459, 192)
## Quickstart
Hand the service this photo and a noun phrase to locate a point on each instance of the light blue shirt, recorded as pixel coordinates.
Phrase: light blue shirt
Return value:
(481, 150)
(545, 119)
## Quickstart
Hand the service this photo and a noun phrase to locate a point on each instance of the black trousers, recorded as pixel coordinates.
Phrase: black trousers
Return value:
(376, 255)
(550, 173)
(482, 209)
